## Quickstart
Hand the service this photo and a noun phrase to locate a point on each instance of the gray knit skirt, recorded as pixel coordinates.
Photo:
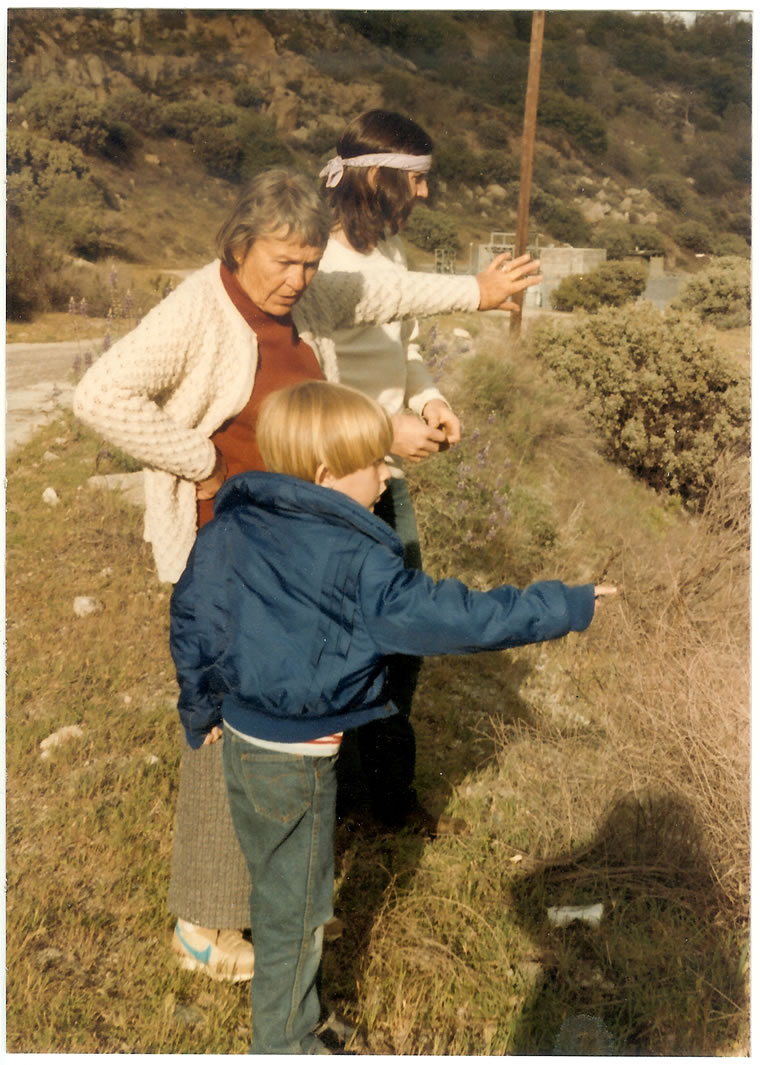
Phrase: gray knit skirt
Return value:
(209, 885)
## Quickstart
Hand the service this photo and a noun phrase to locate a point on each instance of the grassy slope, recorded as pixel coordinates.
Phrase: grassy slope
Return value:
(608, 767)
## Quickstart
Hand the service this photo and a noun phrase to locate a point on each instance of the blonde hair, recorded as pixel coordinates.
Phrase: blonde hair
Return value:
(317, 423)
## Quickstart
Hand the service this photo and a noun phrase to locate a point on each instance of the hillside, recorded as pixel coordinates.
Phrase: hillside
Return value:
(130, 131)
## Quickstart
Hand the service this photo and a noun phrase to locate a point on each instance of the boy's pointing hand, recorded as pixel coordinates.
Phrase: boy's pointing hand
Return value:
(602, 591)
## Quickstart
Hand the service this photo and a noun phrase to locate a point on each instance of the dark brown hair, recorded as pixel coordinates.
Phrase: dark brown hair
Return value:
(364, 213)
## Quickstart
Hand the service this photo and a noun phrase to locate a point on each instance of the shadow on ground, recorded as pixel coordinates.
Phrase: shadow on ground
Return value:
(662, 974)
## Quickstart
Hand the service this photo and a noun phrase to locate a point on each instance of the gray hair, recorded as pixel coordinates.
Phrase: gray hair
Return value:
(275, 199)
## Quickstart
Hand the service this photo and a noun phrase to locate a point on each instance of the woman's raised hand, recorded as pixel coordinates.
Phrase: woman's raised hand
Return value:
(503, 278)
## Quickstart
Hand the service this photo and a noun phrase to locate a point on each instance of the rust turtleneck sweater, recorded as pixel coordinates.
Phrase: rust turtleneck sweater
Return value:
(284, 359)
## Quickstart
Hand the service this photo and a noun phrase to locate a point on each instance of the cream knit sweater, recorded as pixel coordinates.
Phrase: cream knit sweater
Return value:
(162, 390)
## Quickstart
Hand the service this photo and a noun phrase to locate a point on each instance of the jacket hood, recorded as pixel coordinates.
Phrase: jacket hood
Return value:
(280, 493)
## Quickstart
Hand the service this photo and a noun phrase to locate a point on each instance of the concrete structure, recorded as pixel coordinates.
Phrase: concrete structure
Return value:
(556, 263)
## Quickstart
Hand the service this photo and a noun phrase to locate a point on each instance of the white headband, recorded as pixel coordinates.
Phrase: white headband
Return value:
(333, 171)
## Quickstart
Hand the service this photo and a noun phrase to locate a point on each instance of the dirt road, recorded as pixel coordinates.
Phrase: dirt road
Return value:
(38, 382)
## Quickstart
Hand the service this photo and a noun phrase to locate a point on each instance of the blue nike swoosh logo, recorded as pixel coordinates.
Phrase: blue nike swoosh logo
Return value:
(200, 955)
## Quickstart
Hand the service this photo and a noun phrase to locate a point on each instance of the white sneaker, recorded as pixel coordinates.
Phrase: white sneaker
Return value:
(223, 953)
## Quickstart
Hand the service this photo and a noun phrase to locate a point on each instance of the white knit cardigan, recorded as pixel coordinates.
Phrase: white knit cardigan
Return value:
(162, 390)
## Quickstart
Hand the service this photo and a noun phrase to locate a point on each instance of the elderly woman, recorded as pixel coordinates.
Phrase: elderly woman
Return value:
(180, 393)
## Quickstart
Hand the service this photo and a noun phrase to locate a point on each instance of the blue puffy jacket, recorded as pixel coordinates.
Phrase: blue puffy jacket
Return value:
(294, 595)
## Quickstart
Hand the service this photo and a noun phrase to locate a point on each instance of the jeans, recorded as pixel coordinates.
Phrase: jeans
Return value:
(283, 810)
(387, 747)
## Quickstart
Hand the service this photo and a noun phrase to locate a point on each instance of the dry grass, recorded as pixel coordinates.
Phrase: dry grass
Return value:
(612, 766)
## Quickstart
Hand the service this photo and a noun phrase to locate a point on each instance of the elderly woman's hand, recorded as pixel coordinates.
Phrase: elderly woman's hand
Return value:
(499, 281)
(207, 489)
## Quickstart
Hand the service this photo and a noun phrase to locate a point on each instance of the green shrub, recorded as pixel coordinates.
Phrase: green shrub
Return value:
(663, 400)
(616, 237)
(121, 142)
(492, 133)
(260, 146)
(609, 284)
(727, 244)
(564, 221)
(721, 293)
(430, 229)
(740, 221)
(186, 118)
(622, 239)
(695, 236)
(72, 115)
(496, 166)
(138, 109)
(85, 232)
(249, 95)
(24, 286)
(580, 121)
(37, 168)
(320, 140)
(478, 513)
(219, 150)
(670, 189)
(455, 161)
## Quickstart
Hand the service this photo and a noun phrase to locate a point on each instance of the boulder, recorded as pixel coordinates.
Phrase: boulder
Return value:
(497, 193)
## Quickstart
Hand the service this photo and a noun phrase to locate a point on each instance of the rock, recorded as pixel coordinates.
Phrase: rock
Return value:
(153, 159)
(584, 1036)
(129, 484)
(84, 605)
(61, 735)
(497, 193)
(562, 916)
(48, 956)
(50, 456)
(594, 212)
(51, 497)
(95, 69)
(284, 109)
(462, 333)
(188, 1015)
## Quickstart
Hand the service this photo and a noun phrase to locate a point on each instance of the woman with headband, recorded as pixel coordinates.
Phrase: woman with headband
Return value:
(372, 184)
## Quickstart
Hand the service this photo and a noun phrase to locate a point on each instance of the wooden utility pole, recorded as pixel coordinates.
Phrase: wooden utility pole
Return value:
(528, 144)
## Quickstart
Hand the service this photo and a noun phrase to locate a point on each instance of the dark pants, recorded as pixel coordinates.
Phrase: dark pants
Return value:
(386, 748)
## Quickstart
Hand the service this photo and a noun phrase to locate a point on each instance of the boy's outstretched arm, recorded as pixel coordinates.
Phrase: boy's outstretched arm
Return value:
(409, 613)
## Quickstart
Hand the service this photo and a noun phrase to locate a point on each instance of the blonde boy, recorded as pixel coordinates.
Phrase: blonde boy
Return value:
(292, 599)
